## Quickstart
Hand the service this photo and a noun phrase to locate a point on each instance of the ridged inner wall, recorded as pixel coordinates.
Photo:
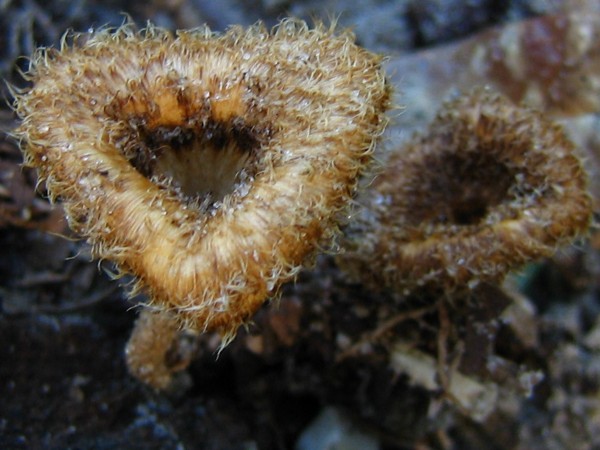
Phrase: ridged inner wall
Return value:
(198, 156)
(205, 162)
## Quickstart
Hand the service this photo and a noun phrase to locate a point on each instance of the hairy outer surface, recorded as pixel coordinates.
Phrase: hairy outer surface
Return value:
(488, 187)
(209, 166)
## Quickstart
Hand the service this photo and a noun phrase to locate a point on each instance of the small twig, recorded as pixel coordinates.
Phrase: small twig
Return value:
(384, 328)
(442, 347)
(445, 372)
(42, 278)
(71, 306)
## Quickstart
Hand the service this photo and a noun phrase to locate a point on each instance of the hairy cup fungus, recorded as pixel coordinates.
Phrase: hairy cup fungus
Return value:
(488, 187)
(209, 166)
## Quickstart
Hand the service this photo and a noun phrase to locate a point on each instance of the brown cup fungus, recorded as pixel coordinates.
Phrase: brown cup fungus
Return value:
(209, 166)
(488, 187)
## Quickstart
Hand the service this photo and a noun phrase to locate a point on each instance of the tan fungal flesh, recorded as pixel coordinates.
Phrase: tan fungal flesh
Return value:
(209, 166)
(488, 187)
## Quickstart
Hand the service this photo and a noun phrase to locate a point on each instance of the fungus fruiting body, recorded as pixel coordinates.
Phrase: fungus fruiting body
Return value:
(209, 166)
(488, 187)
